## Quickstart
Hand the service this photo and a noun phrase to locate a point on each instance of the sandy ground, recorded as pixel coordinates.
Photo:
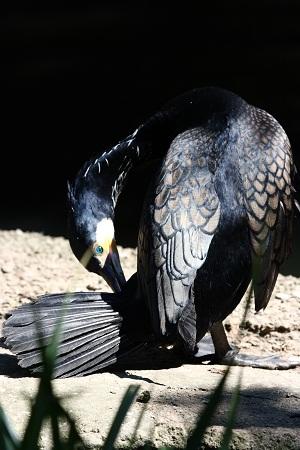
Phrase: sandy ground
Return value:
(269, 417)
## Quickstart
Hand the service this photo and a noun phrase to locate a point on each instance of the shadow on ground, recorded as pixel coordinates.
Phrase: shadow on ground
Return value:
(259, 407)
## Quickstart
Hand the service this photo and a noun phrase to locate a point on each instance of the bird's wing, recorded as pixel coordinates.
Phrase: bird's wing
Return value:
(184, 217)
(267, 168)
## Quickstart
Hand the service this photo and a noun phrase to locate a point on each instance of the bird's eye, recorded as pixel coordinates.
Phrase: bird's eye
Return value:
(99, 250)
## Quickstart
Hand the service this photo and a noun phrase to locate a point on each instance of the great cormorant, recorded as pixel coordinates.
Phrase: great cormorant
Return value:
(218, 212)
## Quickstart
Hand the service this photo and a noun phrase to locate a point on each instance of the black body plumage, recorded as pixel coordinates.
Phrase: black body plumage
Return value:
(220, 204)
(218, 212)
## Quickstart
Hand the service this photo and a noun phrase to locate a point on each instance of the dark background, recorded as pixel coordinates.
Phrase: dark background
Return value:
(76, 79)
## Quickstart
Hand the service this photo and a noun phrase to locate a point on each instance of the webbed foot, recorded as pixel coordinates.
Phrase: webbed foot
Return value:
(215, 349)
(271, 362)
(229, 355)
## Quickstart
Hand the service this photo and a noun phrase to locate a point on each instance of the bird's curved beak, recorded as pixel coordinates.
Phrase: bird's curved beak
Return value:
(112, 271)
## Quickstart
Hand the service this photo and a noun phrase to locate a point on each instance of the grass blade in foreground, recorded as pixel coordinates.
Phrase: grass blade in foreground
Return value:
(137, 425)
(196, 437)
(46, 405)
(120, 417)
(44, 401)
(8, 440)
(234, 403)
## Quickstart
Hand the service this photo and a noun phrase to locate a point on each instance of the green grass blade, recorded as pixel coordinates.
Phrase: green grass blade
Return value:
(39, 412)
(204, 420)
(8, 439)
(74, 439)
(137, 425)
(120, 416)
(234, 403)
(56, 438)
(45, 401)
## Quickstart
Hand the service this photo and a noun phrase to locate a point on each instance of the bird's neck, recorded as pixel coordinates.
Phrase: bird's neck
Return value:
(106, 174)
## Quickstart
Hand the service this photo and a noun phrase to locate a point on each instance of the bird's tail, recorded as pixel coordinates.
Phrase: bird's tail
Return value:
(94, 332)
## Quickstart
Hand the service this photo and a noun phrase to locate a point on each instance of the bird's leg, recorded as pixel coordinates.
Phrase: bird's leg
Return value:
(224, 354)
(212, 347)
(220, 341)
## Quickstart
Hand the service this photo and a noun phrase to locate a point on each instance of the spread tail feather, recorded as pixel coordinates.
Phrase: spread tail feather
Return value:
(93, 334)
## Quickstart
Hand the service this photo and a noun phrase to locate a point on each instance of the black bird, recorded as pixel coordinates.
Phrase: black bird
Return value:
(218, 213)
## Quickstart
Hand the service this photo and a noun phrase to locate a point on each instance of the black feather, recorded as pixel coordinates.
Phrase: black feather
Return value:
(92, 336)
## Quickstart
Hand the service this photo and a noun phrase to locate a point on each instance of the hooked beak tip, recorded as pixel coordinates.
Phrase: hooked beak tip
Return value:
(112, 272)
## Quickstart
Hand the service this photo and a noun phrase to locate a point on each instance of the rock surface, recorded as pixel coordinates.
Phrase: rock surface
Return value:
(269, 415)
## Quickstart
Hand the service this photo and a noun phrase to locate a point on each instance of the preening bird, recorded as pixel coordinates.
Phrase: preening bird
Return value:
(218, 212)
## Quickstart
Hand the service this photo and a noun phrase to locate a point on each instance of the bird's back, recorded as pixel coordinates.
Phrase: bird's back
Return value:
(221, 200)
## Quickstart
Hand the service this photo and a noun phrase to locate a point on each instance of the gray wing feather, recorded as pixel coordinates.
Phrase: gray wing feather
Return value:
(184, 216)
(267, 171)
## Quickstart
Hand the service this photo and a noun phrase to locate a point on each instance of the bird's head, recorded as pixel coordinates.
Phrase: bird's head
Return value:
(92, 237)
